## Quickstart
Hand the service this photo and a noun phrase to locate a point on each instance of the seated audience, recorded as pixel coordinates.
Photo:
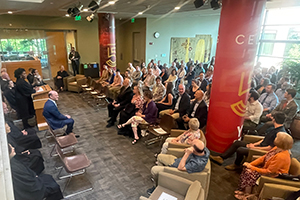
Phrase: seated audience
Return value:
(127, 75)
(129, 111)
(289, 107)
(159, 90)
(242, 148)
(181, 104)
(149, 82)
(193, 89)
(276, 161)
(180, 75)
(37, 78)
(194, 160)
(117, 84)
(268, 100)
(261, 87)
(104, 75)
(188, 137)
(61, 74)
(163, 75)
(111, 77)
(144, 74)
(28, 185)
(4, 74)
(190, 76)
(156, 70)
(10, 95)
(206, 97)
(209, 74)
(54, 118)
(159, 65)
(167, 101)
(130, 68)
(198, 110)
(148, 116)
(136, 76)
(198, 68)
(122, 100)
(172, 78)
(30, 76)
(173, 67)
(202, 81)
(280, 92)
(253, 111)
(24, 101)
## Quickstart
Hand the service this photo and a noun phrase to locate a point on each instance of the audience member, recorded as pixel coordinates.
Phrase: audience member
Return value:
(253, 111)
(130, 68)
(190, 76)
(27, 185)
(159, 90)
(30, 76)
(136, 75)
(193, 89)
(111, 77)
(117, 84)
(188, 137)
(242, 148)
(167, 101)
(156, 70)
(37, 78)
(10, 95)
(261, 87)
(202, 81)
(209, 74)
(54, 118)
(280, 92)
(104, 75)
(4, 74)
(24, 101)
(172, 78)
(129, 111)
(163, 75)
(159, 65)
(268, 100)
(181, 104)
(144, 74)
(180, 75)
(122, 100)
(61, 74)
(289, 107)
(276, 161)
(173, 67)
(198, 68)
(148, 116)
(194, 160)
(198, 110)
(207, 94)
(149, 82)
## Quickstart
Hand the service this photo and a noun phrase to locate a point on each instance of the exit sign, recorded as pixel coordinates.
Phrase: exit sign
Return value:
(77, 18)
(132, 20)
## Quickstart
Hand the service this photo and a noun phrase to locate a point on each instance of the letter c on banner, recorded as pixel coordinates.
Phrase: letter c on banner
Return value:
(237, 39)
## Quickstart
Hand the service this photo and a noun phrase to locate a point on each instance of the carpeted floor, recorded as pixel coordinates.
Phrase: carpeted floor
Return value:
(119, 170)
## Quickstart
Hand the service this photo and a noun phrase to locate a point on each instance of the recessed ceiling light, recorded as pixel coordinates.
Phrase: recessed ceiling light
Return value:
(29, 1)
(67, 15)
(10, 12)
(85, 10)
(177, 8)
(51, 3)
(140, 13)
(111, 2)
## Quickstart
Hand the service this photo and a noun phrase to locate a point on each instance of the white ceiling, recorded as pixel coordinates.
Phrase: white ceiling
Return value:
(122, 8)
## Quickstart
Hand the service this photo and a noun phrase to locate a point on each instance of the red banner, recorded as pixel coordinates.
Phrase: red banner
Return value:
(236, 50)
(106, 26)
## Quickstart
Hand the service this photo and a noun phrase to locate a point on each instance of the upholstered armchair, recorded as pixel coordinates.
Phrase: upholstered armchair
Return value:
(74, 83)
(203, 177)
(178, 187)
(276, 187)
(253, 153)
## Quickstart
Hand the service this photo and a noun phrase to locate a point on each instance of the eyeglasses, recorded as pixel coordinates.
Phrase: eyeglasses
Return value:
(198, 150)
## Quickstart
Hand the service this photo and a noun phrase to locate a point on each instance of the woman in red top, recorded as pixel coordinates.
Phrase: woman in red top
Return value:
(275, 162)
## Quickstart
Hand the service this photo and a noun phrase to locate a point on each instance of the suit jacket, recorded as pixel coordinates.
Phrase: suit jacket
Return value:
(30, 78)
(53, 116)
(124, 96)
(200, 114)
(184, 104)
(203, 85)
(289, 111)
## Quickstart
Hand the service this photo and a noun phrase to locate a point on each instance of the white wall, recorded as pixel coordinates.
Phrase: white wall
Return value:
(178, 27)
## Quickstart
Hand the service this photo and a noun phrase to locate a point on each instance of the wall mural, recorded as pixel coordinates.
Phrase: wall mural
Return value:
(197, 48)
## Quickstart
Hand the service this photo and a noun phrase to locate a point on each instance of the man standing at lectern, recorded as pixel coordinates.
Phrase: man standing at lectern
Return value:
(74, 57)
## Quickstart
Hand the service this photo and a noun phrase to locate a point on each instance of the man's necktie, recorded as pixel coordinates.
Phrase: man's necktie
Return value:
(284, 105)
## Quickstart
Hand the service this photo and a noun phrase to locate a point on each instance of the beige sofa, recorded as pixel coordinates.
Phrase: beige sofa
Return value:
(74, 83)
(178, 187)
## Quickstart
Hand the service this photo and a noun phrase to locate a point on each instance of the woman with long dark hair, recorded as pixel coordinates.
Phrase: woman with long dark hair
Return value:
(206, 97)
(167, 101)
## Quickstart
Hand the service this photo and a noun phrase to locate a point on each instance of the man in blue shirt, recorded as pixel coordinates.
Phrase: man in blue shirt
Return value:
(194, 160)
(268, 100)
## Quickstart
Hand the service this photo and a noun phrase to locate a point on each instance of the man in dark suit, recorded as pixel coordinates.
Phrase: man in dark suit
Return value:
(198, 110)
(202, 81)
(30, 76)
(289, 107)
(120, 103)
(74, 57)
(55, 119)
(181, 104)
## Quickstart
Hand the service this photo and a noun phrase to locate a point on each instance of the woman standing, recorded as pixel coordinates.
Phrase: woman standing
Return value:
(24, 101)
(148, 116)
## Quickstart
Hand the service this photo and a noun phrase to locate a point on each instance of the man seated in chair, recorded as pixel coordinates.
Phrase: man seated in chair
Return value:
(55, 119)
(194, 160)
(254, 109)
(198, 110)
(242, 148)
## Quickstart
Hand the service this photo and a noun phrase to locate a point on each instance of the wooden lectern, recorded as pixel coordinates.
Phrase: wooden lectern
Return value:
(39, 100)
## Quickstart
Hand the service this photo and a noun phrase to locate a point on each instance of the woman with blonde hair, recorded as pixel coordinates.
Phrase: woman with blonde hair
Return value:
(276, 161)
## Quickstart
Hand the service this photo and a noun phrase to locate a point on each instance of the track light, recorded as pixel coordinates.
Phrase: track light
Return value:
(94, 5)
(75, 11)
(90, 17)
(216, 4)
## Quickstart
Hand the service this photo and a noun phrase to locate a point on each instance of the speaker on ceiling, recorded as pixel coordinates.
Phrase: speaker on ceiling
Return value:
(198, 3)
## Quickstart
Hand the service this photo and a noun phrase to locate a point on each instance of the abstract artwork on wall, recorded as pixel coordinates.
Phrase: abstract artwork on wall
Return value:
(196, 48)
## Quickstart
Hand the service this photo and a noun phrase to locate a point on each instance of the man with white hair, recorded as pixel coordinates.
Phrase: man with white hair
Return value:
(130, 68)
(55, 119)
(149, 82)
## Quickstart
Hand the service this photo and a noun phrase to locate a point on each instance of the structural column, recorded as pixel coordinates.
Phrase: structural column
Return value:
(106, 26)
(236, 50)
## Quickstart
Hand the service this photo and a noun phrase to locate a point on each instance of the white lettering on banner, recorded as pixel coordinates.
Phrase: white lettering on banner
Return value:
(240, 39)
(251, 39)
(240, 128)
(237, 39)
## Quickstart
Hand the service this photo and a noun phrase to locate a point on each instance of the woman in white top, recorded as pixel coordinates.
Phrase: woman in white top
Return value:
(172, 78)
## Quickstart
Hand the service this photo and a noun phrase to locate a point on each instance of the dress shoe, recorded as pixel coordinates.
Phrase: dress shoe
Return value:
(110, 124)
(108, 120)
(232, 167)
(217, 159)
(77, 136)
(149, 191)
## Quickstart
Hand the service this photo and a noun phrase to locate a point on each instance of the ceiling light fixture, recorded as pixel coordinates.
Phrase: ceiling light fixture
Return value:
(94, 5)
(85, 10)
(75, 11)
(111, 2)
(177, 8)
(140, 13)
(90, 18)
(67, 15)
(10, 12)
